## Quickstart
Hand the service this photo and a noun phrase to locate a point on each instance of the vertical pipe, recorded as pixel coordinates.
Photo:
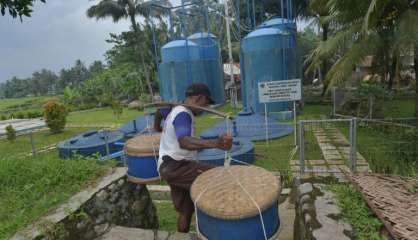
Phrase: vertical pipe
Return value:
(238, 19)
(154, 39)
(248, 13)
(106, 144)
(282, 8)
(171, 25)
(302, 147)
(266, 123)
(231, 60)
(253, 6)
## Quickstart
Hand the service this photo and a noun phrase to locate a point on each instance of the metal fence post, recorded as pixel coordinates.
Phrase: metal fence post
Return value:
(32, 143)
(353, 145)
(106, 143)
(302, 147)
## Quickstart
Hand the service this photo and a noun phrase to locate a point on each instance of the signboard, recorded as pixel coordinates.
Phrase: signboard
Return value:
(280, 91)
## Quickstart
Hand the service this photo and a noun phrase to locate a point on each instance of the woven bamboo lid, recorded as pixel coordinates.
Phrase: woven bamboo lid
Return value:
(143, 145)
(224, 198)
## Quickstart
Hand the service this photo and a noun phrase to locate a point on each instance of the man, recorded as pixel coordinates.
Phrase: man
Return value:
(178, 150)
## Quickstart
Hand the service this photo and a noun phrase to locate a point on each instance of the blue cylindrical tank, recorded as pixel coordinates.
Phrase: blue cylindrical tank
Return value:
(176, 69)
(237, 203)
(90, 143)
(210, 56)
(194, 60)
(142, 156)
(280, 23)
(241, 151)
(268, 54)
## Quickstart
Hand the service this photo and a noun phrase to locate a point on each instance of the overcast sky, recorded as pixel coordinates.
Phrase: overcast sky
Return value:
(57, 34)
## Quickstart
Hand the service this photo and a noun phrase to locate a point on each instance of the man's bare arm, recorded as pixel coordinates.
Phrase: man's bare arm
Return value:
(157, 121)
(224, 142)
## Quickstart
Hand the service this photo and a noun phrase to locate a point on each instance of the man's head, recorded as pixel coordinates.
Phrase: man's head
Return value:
(198, 94)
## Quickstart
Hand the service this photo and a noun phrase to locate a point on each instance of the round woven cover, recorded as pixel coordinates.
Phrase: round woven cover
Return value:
(143, 145)
(224, 198)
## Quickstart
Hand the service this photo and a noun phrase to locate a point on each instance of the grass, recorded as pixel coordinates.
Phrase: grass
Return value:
(43, 138)
(167, 217)
(33, 186)
(102, 116)
(404, 108)
(23, 103)
(355, 211)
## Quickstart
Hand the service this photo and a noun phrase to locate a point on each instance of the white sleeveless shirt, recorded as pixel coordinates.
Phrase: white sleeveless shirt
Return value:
(169, 144)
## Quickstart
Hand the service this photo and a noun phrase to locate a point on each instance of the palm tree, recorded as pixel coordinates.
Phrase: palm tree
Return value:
(364, 28)
(123, 9)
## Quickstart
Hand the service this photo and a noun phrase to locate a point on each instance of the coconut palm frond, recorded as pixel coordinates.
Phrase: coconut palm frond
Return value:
(343, 68)
(340, 40)
(107, 8)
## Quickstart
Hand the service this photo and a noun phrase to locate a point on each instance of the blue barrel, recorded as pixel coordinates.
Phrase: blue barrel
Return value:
(90, 143)
(228, 201)
(251, 127)
(241, 151)
(142, 156)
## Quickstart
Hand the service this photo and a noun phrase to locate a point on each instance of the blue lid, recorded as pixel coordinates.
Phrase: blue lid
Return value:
(179, 43)
(92, 139)
(250, 127)
(265, 32)
(201, 35)
(276, 21)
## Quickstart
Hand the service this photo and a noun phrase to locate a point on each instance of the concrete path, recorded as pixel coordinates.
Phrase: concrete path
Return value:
(335, 149)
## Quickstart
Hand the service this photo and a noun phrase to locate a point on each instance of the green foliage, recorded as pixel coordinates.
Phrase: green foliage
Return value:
(356, 212)
(376, 91)
(43, 182)
(3, 117)
(55, 115)
(17, 7)
(10, 133)
(71, 96)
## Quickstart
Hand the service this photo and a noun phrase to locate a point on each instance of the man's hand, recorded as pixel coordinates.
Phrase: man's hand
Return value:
(224, 142)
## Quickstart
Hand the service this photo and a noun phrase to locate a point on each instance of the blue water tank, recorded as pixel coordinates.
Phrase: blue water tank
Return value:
(280, 23)
(210, 55)
(195, 60)
(90, 143)
(268, 54)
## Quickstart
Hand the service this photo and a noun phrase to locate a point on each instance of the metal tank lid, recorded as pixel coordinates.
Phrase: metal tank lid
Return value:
(179, 43)
(91, 139)
(265, 32)
(239, 147)
(250, 126)
(201, 35)
(276, 21)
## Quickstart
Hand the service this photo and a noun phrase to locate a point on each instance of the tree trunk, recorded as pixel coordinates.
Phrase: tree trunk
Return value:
(392, 72)
(131, 11)
(324, 67)
(416, 81)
